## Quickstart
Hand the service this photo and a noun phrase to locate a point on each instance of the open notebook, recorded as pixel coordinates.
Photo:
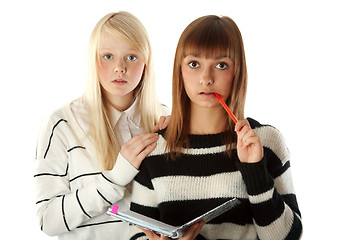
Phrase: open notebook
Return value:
(166, 229)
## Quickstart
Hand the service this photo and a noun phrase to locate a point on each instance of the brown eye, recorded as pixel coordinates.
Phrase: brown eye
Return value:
(193, 64)
(221, 66)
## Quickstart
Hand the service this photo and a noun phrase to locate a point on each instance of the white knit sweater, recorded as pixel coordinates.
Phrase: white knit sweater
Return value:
(72, 193)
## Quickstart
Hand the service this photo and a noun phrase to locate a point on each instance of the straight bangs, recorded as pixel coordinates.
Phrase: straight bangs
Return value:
(209, 38)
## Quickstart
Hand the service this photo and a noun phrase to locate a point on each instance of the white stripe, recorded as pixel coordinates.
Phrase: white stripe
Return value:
(179, 188)
(272, 138)
(161, 143)
(279, 228)
(228, 231)
(143, 196)
(284, 183)
(255, 199)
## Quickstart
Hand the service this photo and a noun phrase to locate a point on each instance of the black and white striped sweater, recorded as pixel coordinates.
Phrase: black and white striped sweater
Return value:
(204, 177)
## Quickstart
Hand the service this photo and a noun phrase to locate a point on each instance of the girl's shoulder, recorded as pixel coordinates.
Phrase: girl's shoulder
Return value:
(271, 138)
(65, 114)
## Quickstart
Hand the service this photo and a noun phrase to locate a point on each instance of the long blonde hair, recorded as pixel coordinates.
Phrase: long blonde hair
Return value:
(206, 35)
(128, 27)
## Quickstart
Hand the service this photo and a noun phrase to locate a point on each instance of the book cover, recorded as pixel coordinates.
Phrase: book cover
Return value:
(166, 229)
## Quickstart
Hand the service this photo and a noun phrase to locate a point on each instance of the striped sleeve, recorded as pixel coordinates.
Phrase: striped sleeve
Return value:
(271, 193)
(60, 208)
(143, 200)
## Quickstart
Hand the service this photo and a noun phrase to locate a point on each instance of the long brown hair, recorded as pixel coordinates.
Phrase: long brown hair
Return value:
(206, 36)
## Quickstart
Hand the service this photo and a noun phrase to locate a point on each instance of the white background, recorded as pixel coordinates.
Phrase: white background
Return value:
(303, 62)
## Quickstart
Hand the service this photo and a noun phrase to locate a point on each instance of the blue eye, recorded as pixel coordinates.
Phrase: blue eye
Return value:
(108, 56)
(131, 58)
(194, 64)
(221, 66)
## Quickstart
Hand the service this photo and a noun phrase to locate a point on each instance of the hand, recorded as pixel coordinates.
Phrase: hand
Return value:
(163, 123)
(249, 147)
(138, 147)
(191, 233)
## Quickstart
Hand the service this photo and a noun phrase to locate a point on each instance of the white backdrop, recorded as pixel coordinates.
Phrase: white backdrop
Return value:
(303, 62)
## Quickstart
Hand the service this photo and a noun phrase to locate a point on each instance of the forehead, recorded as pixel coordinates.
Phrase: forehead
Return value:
(114, 41)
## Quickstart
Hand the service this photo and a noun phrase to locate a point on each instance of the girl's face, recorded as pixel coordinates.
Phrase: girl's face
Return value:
(120, 69)
(204, 76)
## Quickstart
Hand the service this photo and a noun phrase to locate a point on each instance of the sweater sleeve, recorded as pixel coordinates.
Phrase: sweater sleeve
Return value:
(143, 200)
(59, 207)
(271, 193)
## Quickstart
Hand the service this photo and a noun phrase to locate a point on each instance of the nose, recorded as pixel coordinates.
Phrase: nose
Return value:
(206, 77)
(120, 67)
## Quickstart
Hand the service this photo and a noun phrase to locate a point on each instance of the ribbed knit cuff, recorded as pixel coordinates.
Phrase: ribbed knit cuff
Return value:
(256, 177)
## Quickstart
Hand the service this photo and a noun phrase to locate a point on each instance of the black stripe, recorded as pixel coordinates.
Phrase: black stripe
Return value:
(103, 197)
(47, 199)
(54, 174)
(138, 235)
(77, 197)
(290, 200)
(63, 212)
(75, 148)
(191, 165)
(190, 209)
(96, 224)
(106, 178)
(273, 208)
(274, 164)
(44, 200)
(85, 175)
(296, 229)
(52, 133)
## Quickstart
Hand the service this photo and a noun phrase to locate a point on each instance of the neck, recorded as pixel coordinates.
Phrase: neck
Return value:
(207, 120)
(121, 103)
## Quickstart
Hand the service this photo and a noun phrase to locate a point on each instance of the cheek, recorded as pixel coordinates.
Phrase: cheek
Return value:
(188, 78)
(226, 83)
(103, 70)
(138, 71)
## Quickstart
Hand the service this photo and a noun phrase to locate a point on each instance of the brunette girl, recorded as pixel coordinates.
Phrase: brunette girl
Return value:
(204, 159)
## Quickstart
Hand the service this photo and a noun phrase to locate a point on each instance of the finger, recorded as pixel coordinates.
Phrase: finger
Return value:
(240, 124)
(159, 125)
(141, 137)
(156, 128)
(162, 120)
(150, 234)
(138, 143)
(245, 129)
(251, 140)
(198, 230)
(248, 134)
(142, 155)
(165, 123)
(164, 237)
(144, 144)
(193, 231)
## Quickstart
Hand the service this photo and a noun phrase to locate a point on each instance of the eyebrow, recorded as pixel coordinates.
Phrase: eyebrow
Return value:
(198, 56)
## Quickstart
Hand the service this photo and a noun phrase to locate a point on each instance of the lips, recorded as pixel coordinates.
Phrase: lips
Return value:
(119, 81)
(206, 93)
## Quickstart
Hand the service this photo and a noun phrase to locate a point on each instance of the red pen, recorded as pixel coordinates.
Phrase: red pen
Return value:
(227, 109)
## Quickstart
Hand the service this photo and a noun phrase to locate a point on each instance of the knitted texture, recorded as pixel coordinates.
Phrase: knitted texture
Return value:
(176, 191)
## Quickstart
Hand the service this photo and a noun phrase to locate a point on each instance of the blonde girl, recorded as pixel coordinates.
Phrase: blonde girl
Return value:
(200, 161)
(91, 149)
